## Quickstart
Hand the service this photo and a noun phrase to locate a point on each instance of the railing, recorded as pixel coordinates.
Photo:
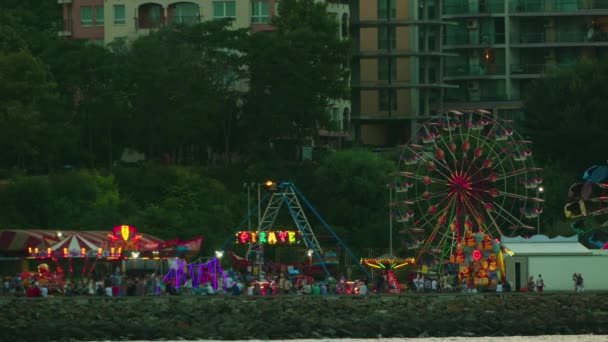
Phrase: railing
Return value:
(517, 69)
(482, 7)
(146, 23)
(475, 70)
(465, 96)
(533, 6)
(184, 19)
(531, 68)
(467, 38)
(559, 37)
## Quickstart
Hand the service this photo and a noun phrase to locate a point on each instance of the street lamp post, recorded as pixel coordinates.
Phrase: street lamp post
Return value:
(390, 219)
(259, 209)
(249, 186)
(539, 191)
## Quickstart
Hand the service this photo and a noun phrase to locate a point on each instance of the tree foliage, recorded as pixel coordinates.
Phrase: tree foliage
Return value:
(565, 113)
(351, 186)
(296, 71)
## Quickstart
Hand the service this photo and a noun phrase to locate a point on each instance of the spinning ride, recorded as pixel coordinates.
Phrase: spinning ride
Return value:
(469, 181)
(588, 205)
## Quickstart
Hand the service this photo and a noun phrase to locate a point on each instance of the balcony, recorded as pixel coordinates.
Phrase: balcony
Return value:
(474, 97)
(66, 30)
(574, 38)
(474, 71)
(534, 70)
(61, 2)
(463, 8)
(401, 53)
(538, 6)
(183, 20)
(396, 85)
(469, 39)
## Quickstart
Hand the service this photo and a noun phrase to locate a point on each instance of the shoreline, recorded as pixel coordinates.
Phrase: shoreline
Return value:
(233, 318)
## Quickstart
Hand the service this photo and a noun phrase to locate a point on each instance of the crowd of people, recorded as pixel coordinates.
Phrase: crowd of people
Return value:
(118, 284)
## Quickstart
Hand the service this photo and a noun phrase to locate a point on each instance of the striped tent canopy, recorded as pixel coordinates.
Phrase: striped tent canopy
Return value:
(21, 240)
(18, 241)
(74, 244)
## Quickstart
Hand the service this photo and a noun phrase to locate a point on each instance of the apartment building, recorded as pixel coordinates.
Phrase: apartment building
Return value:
(103, 21)
(502, 46)
(83, 19)
(86, 19)
(396, 69)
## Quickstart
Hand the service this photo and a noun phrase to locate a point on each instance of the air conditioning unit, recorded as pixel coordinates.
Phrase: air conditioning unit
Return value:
(472, 24)
(473, 86)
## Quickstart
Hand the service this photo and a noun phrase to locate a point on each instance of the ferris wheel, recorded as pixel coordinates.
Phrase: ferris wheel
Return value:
(471, 174)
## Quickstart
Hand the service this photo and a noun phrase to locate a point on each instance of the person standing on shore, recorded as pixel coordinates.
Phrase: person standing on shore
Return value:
(540, 284)
(579, 284)
(531, 284)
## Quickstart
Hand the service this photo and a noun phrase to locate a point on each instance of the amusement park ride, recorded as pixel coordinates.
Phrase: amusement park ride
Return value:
(286, 195)
(588, 205)
(468, 180)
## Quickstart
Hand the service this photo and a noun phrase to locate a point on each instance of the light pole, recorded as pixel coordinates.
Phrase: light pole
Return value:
(390, 220)
(249, 186)
(259, 208)
(539, 191)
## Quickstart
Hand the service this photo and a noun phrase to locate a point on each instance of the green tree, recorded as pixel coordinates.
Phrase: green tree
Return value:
(81, 200)
(564, 113)
(184, 87)
(296, 71)
(351, 189)
(91, 82)
(27, 91)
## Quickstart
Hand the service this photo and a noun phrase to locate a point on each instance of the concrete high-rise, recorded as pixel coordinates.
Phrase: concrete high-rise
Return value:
(397, 67)
(502, 46)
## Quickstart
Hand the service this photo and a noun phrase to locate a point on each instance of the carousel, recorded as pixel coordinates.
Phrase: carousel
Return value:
(84, 254)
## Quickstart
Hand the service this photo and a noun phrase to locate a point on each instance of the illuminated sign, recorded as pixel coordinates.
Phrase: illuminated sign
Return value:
(124, 233)
(271, 237)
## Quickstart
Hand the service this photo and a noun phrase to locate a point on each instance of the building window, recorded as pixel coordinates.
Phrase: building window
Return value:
(387, 100)
(119, 15)
(334, 113)
(261, 11)
(345, 25)
(186, 13)
(387, 38)
(383, 8)
(154, 14)
(387, 69)
(99, 15)
(86, 15)
(224, 9)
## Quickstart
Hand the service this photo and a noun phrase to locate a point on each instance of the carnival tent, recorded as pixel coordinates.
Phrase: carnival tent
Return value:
(17, 242)
(75, 244)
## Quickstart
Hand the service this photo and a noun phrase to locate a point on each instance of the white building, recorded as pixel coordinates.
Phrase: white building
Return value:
(556, 260)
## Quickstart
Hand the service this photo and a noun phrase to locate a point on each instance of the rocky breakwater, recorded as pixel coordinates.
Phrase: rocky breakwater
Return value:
(226, 317)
